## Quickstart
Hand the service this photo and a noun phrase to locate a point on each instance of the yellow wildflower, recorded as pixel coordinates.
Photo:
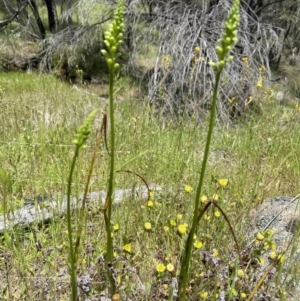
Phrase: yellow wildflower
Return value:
(233, 292)
(215, 253)
(259, 236)
(198, 244)
(206, 217)
(261, 260)
(217, 213)
(243, 295)
(240, 272)
(147, 226)
(187, 188)
(170, 267)
(203, 199)
(204, 295)
(259, 82)
(150, 204)
(179, 217)
(116, 227)
(215, 197)
(127, 248)
(273, 255)
(262, 69)
(223, 182)
(197, 49)
(160, 268)
(173, 223)
(182, 229)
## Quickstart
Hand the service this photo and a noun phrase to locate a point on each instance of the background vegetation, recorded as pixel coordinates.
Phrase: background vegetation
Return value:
(159, 82)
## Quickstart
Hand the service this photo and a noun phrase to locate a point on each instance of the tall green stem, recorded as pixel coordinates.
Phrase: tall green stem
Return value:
(71, 247)
(109, 252)
(184, 273)
(82, 135)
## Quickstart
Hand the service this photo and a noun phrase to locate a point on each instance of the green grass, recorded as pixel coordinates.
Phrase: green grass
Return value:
(39, 118)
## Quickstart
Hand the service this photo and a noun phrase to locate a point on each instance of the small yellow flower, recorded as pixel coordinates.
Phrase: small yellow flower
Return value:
(173, 223)
(215, 197)
(206, 217)
(266, 246)
(215, 253)
(182, 229)
(116, 227)
(197, 49)
(115, 254)
(240, 273)
(165, 286)
(217, 213)
(127, 248)
(150, 204)
(147, 226)
(233, 292)
(262, 69)
(223, 182)
(259, 83)
(179, 217)
(170, 267)
(198, 244)
(166, 228)
(269, 232)
(273, 255)
(204, 295)
(259, 236)
(273, 246)
(203, 199)
(261, 260)
(160, 268)
(243, 295)
(187, 188)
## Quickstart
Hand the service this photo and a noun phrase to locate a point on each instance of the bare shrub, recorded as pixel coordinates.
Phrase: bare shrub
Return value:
(185, 34)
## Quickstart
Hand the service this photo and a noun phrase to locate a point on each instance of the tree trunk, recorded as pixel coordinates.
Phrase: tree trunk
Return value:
(38, 19)
(52, 19)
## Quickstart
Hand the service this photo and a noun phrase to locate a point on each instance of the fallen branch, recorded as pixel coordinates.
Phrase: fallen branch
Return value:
(48, 210)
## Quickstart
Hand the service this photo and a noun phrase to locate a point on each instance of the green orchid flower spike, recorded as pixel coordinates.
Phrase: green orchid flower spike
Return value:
(84, 131)
(226, 44)
(113, 38)
(80, 142)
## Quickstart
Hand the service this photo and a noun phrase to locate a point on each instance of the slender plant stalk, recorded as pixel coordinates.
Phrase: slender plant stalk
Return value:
(82, 135)
(113, 38)
(71, 248)
(184, 273)
(223, 48)
(109, 198)
(86, 189)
